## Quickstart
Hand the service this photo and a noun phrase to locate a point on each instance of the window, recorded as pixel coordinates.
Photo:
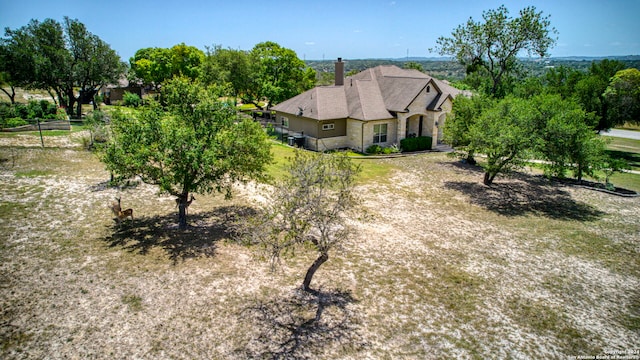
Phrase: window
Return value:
(428, 88)
(328, 126)
(379, 133)
(285, 121)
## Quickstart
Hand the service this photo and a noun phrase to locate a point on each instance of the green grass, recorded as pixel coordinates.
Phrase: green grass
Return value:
(626, 149)
(372, 169)
(32, 173)
(546, 320)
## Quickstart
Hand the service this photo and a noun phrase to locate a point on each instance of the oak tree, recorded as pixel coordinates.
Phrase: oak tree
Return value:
(309, 206)
(490, 48)
(196, 144)
(622, 97)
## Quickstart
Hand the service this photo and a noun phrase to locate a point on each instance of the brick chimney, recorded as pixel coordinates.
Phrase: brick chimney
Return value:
(339, 72)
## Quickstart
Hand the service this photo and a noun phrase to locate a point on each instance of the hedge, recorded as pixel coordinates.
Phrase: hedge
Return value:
(416, 143)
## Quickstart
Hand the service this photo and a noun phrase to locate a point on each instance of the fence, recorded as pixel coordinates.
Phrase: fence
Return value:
(49, 125)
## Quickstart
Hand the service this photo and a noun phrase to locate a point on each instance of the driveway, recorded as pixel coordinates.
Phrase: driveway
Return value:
(628, 134)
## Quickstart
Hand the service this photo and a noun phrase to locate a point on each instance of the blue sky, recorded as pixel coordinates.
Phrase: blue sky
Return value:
(328, 28)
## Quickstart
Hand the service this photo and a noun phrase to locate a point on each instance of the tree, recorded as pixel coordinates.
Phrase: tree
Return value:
(589, 91)
(456, 129)
(413, 65)
(64, 58)
(40, 49)
(622, 97)
(94, 64)
(197, 144)
(153, 66)
(490, 48)
(309, 206)
(562, 80)
(186, 61)
(16, 63)
(566, 139)
(505, 133)
(279, 74)
(228, 67)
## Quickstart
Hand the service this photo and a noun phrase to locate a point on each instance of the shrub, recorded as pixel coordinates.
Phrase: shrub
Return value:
(131, 99)
(14, 122)
(21, 111)
(61, 114)
(6, 110)
(393, 149)
(374, 149)
(416, 143)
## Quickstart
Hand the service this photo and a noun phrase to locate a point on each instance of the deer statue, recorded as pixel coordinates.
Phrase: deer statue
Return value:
(186, 204)
(120, 214)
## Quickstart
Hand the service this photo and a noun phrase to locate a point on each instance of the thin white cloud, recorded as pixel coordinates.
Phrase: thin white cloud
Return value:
(393, 3)
(310, 43)
(357, 31)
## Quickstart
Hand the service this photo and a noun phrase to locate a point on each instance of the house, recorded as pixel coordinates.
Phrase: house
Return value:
(381, 105)
(115, 92)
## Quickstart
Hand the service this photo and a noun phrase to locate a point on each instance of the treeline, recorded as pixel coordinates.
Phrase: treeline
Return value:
(72, 64)
(65, 59)
(268, 72)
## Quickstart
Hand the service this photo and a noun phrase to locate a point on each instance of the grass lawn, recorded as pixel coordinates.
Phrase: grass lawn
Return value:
(440, 267)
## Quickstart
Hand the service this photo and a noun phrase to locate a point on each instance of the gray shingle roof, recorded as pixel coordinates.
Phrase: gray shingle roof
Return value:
(369, 95)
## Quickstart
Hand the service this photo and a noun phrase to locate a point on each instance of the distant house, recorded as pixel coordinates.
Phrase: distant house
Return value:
(115, 92)
(381, 105)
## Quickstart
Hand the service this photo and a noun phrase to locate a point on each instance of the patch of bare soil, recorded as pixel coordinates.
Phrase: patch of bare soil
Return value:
(440, 267)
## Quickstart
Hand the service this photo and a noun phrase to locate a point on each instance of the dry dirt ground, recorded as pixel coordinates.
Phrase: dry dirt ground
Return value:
(440, 267)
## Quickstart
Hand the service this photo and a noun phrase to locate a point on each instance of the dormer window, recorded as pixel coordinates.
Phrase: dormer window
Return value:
(428, 88)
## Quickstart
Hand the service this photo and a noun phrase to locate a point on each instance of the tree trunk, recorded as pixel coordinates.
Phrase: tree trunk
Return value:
(11, 95)
(79, 109)
(488, 178)
(182, 217)
(470, 159)
(312, 270)
(182, 212)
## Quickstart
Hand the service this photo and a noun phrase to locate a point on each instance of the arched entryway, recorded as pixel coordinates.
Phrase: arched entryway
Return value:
(440, 125)
(416, 125)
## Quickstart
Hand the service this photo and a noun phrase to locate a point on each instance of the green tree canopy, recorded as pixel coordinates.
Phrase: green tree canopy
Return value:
(565, 136)
(63, 58)
(17, 64)
(279, 74)
(622, 97)
(464, 114)
(505, 133)
(490, 48)
(153, 66)
(228, 67)
(589, 91)
(197, 144)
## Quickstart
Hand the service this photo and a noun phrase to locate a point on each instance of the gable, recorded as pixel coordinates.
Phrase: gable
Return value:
(319, 103)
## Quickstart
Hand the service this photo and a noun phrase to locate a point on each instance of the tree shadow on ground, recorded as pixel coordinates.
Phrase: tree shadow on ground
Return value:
(198, 239)
(464, 166)
(526, 194)
(303, 325)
